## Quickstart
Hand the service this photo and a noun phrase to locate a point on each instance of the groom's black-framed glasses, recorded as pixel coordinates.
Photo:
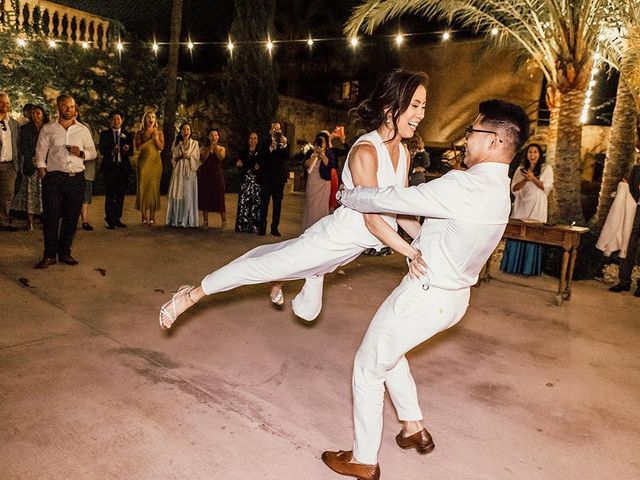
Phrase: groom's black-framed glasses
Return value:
(469, 130)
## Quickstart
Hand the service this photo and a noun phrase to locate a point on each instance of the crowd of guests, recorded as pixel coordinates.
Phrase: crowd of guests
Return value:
(47, 169)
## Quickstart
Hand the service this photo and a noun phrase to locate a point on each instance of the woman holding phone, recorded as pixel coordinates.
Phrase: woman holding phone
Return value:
(378, 159)
(319, 164)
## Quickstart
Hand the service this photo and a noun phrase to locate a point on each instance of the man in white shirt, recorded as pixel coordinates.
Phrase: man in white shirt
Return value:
(466, 214)
(63, 147)
(9, 161)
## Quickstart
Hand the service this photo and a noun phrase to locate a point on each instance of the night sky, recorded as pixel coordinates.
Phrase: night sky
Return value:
(209, 20)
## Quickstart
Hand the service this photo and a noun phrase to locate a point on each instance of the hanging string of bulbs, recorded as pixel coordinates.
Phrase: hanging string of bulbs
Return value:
(354, 42)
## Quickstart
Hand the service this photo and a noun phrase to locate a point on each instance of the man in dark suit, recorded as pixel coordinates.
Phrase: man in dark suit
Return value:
(272, 175)
(419, 161)
(9, 161)
(116, 145)
(626, 267)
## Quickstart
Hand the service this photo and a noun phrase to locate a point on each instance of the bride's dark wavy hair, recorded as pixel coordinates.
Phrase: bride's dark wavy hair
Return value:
(393, 93)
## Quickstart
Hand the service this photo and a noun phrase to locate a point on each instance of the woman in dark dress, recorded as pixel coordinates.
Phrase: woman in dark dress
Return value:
(211, 179)
(248, 215)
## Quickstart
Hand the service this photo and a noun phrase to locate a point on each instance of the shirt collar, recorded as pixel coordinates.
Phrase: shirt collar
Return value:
(490, 167)
(75, 122)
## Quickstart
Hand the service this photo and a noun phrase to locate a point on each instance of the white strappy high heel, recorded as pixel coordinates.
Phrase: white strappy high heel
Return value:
(278, 298)
(168, 311)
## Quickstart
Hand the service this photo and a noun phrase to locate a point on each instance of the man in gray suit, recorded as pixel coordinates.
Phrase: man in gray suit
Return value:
(9, 163)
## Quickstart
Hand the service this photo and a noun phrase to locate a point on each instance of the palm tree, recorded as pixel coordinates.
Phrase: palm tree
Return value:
(560, 36)
(621, 44)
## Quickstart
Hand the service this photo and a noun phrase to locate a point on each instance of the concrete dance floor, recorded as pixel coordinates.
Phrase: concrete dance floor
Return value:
(90, 388)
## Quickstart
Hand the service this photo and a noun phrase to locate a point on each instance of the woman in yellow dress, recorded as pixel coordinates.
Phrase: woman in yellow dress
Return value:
(149, 142)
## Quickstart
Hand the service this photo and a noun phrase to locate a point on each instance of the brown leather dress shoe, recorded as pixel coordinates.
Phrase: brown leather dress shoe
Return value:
(68, 259)
(45, 262)
(421, 441)
(341, 462)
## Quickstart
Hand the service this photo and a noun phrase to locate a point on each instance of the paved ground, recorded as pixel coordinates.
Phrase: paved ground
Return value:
(90, 388)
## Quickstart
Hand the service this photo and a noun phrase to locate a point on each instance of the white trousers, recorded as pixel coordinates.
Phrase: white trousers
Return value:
(408, 317)
(331, 242)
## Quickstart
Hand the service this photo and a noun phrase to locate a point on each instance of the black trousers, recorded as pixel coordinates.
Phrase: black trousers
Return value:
(269, 191)
(62, 197)
(115, 187)
(626, 266)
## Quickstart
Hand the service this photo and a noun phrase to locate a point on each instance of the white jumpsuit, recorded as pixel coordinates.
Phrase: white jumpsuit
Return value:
(329, 243)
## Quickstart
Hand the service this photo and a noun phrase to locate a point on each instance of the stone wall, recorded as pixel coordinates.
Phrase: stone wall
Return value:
(462, 73)
(302, 120)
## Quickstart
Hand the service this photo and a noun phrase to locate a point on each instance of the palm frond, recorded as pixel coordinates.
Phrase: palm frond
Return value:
(620, 41)
(557, 34)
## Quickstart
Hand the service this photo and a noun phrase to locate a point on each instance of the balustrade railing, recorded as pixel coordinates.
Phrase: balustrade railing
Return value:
(56, 22)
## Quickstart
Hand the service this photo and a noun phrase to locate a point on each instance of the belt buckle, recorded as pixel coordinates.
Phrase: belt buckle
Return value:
(72, 174)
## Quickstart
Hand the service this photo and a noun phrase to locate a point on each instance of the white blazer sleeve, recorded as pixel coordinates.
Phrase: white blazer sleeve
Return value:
(436, 199)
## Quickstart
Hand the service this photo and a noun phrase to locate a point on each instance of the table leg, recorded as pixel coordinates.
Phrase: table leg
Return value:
(562, 291)
(572, 264)
(487, 273)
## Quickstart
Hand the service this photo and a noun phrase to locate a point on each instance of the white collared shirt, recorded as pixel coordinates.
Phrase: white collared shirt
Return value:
(52, 152)
(466, 214)
(6, 154)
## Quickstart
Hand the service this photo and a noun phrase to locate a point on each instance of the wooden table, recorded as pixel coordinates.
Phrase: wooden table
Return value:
(565, 236)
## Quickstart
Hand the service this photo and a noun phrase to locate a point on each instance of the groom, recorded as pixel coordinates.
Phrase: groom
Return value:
(466, 214)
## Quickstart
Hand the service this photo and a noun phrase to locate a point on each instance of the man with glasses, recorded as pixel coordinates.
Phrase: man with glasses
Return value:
(466, 214)
(9, 162)
(63, 147)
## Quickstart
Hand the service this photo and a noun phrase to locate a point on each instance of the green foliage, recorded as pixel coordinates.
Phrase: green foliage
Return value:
(99, 81)
(253, 77)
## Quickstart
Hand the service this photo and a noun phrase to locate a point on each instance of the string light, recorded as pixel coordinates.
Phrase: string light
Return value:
(399, 39)
(592, 82)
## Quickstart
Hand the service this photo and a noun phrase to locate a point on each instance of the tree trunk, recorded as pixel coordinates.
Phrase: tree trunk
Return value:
(171, 100)
(621, 150)
(563, 154)
(553, 102)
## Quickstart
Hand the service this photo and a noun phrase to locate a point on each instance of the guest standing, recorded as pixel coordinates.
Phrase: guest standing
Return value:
(9, 161)
(248, 212)
(29, 196)
(116, 144)
(419, 161)
(63, 147)
(627, 263)
(272, 178)
(318, 166)
(182, 208)
(531, 185)
(149, 141)
(211, 179)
